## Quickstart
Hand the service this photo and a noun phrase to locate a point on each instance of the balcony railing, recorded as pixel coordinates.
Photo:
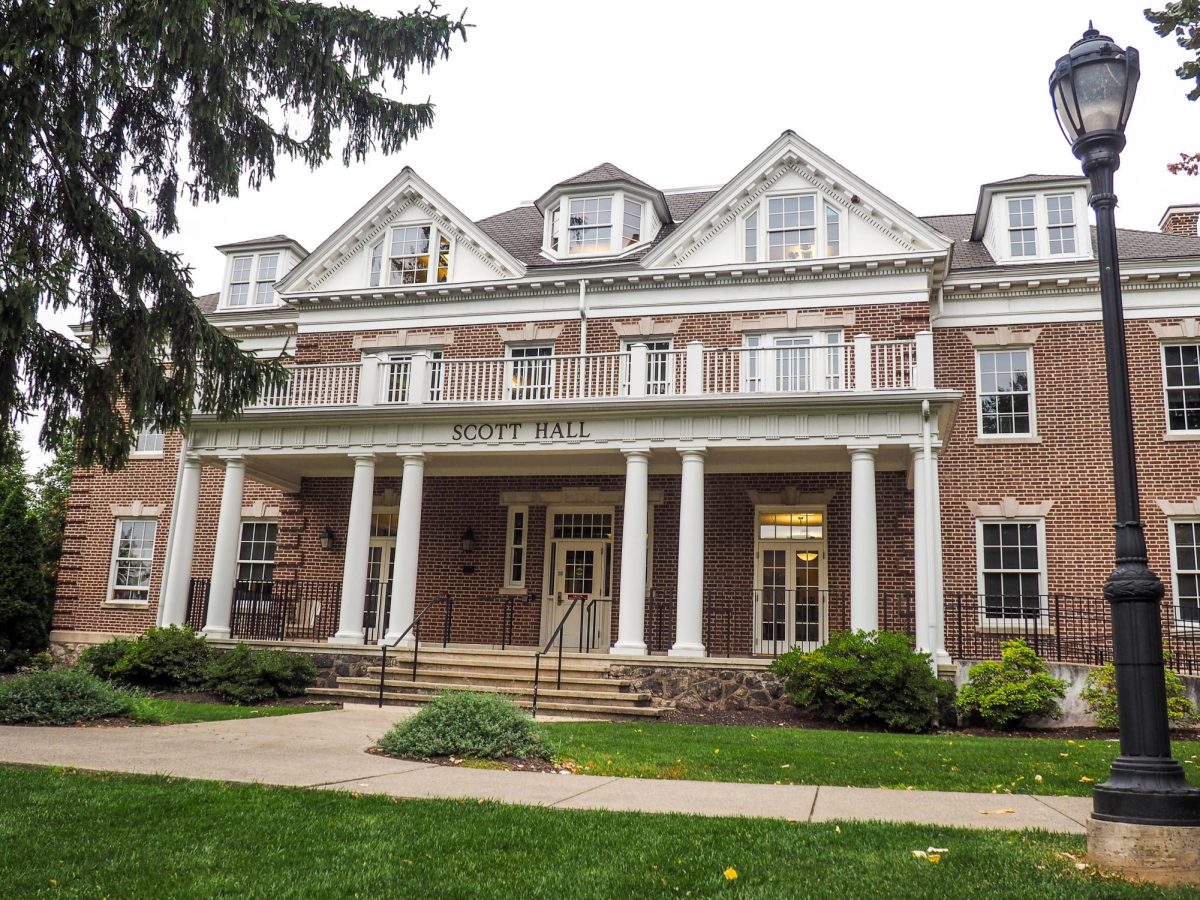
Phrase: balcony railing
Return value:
(861, 365)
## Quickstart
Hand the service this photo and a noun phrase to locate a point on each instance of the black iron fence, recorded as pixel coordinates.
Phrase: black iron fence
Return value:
(1059, 628)
(282, 611)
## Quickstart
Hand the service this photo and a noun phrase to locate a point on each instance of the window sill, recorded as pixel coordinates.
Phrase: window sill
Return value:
(1182, 436)
(146, 454)
(1017, 628)
(1003, 440)
(126, 604)
(513, 592)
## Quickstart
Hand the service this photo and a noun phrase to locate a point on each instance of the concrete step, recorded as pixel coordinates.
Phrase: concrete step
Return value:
(515, 679)
(555, 706)
(445, 664)
(456, 655)
(433, 687)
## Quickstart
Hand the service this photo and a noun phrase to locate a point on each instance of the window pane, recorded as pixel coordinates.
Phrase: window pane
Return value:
(241, 268)
(752, 237)
(149, 441)
(633, 222)
(267, 264)
(1005, 406)
(1182, 375)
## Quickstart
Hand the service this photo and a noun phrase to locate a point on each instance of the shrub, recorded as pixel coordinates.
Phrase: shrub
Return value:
(1001, 694)
(60, 698)
(1100, 694)
(167, 659)
(25, 598)
(251, 676)
(100, 659)
(866, 678)
(467, 724)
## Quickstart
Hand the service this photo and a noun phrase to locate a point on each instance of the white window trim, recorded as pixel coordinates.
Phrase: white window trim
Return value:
(112, 565)
(820, 236)
(1190, 625)
(1176, 433)
(995, 623)
(1037, 228)
(510, 367)
(818, 373)
(997, 236)
(616, 244)
(254, 520)
(1032, 436)
(761, 544)
(1046, 198)
(436, 233)
(547, 571)
(227, 293)
(627, 345)
(433, 374)
(509, 546)
(148, 454)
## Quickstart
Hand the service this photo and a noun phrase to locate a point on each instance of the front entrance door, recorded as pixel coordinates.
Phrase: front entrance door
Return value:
(791, 608)
(377, 603)
(578, 572)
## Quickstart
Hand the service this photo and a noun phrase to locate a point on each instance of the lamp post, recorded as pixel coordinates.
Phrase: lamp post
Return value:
(1092, 88)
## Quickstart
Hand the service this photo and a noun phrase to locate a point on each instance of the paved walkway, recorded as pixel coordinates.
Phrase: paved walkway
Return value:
(326, 750)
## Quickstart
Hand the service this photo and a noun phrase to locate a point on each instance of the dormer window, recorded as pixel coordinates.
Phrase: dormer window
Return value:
(797, 226)
(632, 231)
(599, 223)
(1033, 219)
(415, 254)
(1022, 227)
(1060, 220)
(590, 227)
(252, 280)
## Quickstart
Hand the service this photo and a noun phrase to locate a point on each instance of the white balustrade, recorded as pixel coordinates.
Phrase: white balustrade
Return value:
(327, 384)
(800, 368)
(892, 364)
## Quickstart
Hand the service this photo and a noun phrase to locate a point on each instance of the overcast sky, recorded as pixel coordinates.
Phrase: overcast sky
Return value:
(924, 100)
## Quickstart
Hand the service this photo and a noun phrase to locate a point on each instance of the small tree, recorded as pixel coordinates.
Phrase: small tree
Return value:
(25, 602)
(1001, 694)
(1100, 694)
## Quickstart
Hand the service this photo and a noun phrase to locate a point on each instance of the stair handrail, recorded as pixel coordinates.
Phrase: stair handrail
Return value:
(412, 628)
(576, 600)
(590, 613)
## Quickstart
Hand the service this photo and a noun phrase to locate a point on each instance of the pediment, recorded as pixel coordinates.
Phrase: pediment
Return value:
(872, 223)
(341, 262)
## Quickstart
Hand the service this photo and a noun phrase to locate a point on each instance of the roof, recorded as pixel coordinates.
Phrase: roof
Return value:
(1025, 179)
(604, 172)
(1131, 243)
(519, 231)
(266, 241)
(208, 302)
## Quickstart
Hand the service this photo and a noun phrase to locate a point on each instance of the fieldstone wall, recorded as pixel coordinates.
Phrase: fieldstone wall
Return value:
(706, 687)
(331, 665)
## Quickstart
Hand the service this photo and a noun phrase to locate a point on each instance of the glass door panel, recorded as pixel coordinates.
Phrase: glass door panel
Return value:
(808, 610)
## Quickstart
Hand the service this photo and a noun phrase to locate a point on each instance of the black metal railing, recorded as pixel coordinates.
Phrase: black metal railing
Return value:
(557, 636)
(377, 610)
(712, 615)
(1059, 628)
(658, 626)
(413, 629)
(278, 611)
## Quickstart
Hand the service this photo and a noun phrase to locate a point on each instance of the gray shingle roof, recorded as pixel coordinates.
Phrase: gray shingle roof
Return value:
(1131, 243)
(604, 172)
(1022, 179)
(208, 302)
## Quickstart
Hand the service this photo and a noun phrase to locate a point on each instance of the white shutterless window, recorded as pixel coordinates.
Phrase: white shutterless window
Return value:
(149, 442)
(794, 361)
(589, 226)
(252, 280)
(418, 254)
(132, 558)
(530, 372)
(660, 366)
(1185, 559)
(518, 540)
(397, 370)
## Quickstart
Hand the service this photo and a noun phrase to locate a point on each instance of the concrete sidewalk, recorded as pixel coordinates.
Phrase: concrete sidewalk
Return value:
(327, 750)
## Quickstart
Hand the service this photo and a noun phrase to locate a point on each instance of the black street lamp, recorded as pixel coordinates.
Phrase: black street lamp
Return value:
(1092, 88)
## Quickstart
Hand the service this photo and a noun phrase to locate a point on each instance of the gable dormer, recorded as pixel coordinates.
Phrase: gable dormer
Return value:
(1034, 219)
(601, 212)
(252, 269)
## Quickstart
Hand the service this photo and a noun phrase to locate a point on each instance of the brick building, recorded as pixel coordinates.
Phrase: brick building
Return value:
(718, 422)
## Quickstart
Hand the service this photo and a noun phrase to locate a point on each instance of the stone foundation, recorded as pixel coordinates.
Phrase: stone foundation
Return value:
(706, 687)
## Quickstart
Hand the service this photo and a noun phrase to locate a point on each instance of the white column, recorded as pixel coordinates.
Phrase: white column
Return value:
(937, 589)
(408, 540)
(631, 637)
(694, 368)
(923, 375)
(358, 541)
(182, 543)
(864, 541)
(689, 611)
(229, 533)
(862, 362)
(922, 562)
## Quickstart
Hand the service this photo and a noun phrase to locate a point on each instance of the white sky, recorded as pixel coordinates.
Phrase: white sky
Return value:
(924, 100)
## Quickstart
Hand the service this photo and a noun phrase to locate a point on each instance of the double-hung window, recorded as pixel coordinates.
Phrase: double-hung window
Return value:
(132, 556)
(791, 227)
(414, 254)
(660, 366)
(793, 361)
(589, 227)
(1185, 542)
(149, 442)
(256, 557)
(1181, 376)
(252, 280)
(518, 531)
(530, 372)
(1006, 392)
(1060, 224)
(397, 371)
(1022, 227)
(631, 231)
(1012, 568)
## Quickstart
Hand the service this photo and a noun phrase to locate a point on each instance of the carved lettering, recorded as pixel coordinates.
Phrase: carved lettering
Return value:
(511, 431)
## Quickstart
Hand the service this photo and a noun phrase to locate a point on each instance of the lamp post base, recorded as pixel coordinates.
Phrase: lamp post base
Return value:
(1163, 854)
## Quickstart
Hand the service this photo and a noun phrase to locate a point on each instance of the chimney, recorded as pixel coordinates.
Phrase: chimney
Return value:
(1182, 219)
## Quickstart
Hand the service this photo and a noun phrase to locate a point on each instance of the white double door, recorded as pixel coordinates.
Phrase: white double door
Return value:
(377, 602)
(791, 603)
(577, 574)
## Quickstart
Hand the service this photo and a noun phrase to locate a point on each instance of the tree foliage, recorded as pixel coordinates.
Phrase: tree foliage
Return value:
(25, 601)
(1182, 19)
(111, 112)
(51, 491)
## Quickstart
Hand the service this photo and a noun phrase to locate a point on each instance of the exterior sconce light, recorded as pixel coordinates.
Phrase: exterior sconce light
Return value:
(328, 538)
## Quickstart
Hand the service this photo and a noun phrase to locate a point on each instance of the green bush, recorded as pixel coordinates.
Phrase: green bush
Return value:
(168, 659)
(251, 676)
(866, 678)
(1100, 694)
(467, 724)
(1001, 694)
(60, 698)
(100, 659)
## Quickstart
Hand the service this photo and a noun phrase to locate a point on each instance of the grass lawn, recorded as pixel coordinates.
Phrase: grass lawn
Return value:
(156, 711)
(70, 834)
(852, 758)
